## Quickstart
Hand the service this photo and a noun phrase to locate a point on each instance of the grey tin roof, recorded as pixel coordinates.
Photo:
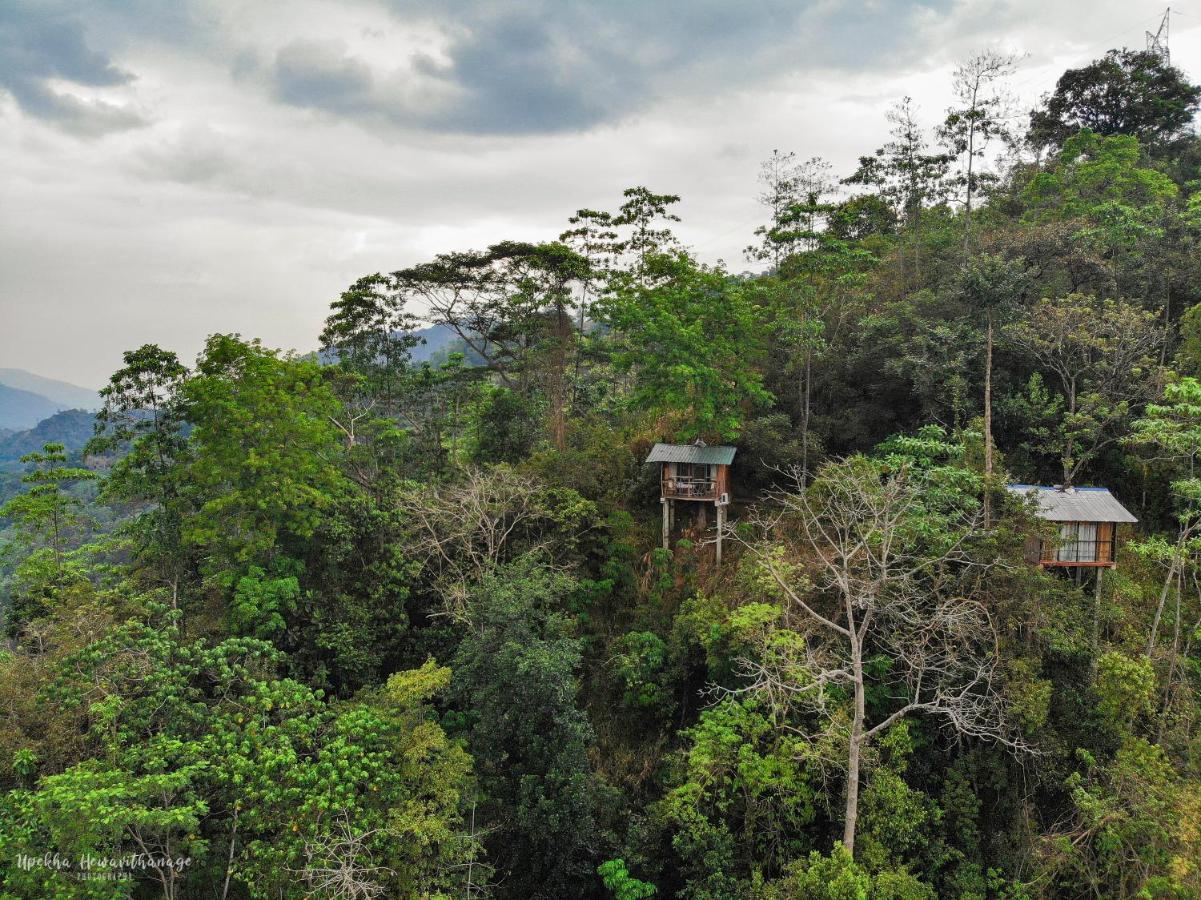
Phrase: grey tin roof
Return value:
(1082, 504)
(692, 453)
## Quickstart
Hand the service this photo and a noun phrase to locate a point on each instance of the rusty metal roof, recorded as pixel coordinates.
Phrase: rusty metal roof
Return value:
(1079, 504)
(692, 453)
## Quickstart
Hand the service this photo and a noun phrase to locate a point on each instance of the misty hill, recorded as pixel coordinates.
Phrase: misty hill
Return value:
(439, 342)
(65, 394)
(23, 409)
(27, 399)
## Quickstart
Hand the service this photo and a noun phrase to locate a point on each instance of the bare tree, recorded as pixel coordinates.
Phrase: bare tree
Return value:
(462, 531)
(865, 566)
(339, 865)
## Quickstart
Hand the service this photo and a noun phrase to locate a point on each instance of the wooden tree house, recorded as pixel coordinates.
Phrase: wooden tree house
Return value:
(693, 473)
(1088, 519)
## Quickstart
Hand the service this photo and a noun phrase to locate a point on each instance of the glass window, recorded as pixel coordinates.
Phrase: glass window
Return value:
(1079, 542)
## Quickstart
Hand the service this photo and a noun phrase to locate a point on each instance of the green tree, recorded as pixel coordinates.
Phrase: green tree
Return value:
(873, 568)
(520, 654)
(512, 305)
(907, 178)
(266, 453)
(1125, 92)
(142, 422)
(1100, 352)
(692, 340)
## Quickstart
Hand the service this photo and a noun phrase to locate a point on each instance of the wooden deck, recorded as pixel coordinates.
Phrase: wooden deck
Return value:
(687, 488)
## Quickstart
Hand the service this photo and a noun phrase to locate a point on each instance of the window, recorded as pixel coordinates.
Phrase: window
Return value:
(1079, 542)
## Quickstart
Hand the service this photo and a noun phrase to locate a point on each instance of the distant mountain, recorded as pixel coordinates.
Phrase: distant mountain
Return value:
(440, 342)
(26, 399)
(72, 428)
(67, 396)
(23, 409)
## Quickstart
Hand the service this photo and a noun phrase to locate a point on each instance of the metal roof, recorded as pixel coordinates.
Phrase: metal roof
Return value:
(1081, 504)
(692, 453)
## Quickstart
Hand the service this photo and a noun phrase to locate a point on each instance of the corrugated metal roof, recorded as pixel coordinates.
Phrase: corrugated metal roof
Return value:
(1082, 504)
(692, 453)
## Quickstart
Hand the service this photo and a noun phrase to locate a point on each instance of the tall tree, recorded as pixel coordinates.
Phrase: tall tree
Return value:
(977, 118)
(692, 338)
(1125, 92)
(267, 454)
(521, 654)
(990, 284)
(872, 561)
(142, 421)
(645, 216)
(46, 512)
(905, 175)
(512, 305)
(794, 194)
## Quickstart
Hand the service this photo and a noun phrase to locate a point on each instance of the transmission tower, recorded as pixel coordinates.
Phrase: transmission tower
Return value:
(1157, 43)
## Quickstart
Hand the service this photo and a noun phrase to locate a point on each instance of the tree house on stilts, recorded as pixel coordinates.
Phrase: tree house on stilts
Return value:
(693, 473)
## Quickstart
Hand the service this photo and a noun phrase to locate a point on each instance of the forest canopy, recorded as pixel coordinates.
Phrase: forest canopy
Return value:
(349, 624)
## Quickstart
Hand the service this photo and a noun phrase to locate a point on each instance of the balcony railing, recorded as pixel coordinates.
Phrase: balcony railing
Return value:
(684, 487)
(1078, 553)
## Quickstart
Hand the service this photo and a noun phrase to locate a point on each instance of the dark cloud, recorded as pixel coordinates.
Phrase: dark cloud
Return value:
(39, 43)
(544, 66)
(319, 74)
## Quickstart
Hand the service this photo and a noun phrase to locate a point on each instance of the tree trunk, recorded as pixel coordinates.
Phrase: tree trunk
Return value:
(851, 818)
(1163, 599)
(988, 463)
(805, 416)
(1096, 635)
(558, 379)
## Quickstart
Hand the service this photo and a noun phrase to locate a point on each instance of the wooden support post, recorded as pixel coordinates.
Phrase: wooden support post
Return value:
(666, 522)
(702, 515)
(721, 521)
(1096, 635)
(671, 514)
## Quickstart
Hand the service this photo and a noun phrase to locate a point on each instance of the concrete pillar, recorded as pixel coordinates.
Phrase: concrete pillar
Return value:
(666, 522)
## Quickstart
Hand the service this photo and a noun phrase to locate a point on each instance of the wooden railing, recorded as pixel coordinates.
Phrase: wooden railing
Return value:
(688, 488)
(1078, 553)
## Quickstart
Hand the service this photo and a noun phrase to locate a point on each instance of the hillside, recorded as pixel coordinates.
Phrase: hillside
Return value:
(72, 428)
(20, 409)
(62, 393)
(874, 574)
(27, 399)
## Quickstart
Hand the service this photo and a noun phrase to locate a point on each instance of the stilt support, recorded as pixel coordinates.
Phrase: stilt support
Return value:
(721, 523)
(666, 522)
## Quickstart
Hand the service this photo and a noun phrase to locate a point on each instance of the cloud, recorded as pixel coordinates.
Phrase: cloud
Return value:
(40, 49)
(320, 75)
(547, 66)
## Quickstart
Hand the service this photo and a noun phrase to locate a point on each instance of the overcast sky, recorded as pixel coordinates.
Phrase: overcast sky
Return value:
(175, 168)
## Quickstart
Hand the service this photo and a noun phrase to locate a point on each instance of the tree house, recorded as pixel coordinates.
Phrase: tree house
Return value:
(693, 473)
(1088, 519)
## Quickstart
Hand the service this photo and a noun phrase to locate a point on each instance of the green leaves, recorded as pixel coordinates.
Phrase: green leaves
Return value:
(691, 342)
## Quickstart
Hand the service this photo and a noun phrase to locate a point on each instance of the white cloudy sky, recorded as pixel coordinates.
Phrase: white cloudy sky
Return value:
(170, 169)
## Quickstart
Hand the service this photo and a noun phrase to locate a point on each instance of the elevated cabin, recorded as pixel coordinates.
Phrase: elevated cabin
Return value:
(695, 473)
(1088, 520)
